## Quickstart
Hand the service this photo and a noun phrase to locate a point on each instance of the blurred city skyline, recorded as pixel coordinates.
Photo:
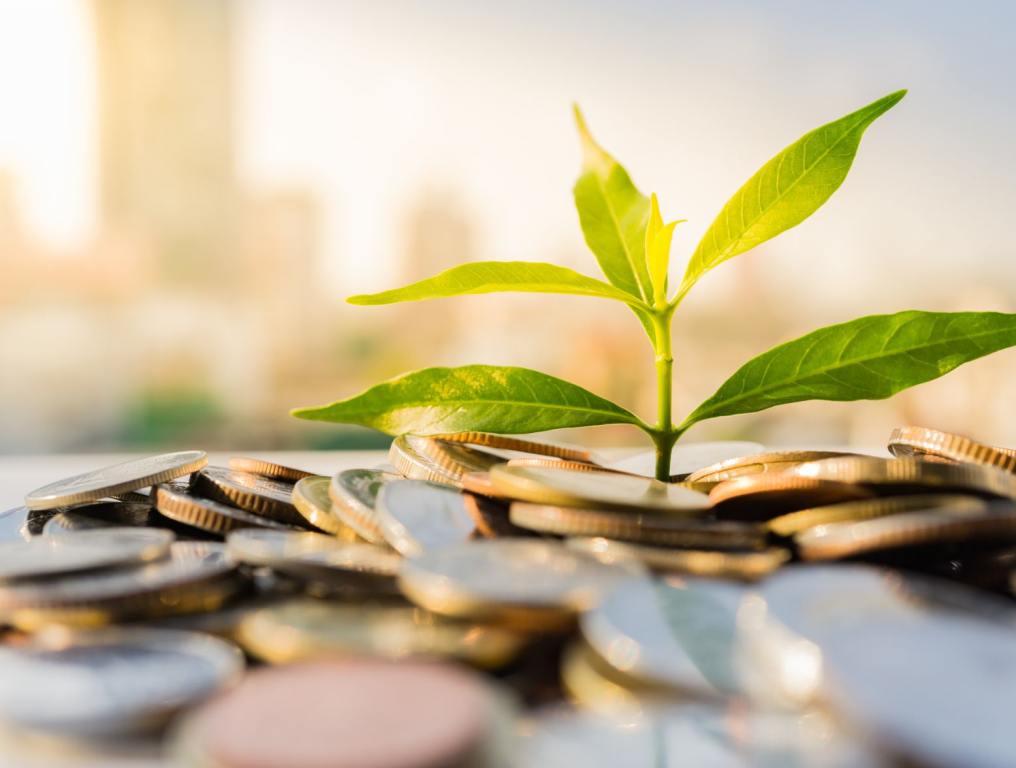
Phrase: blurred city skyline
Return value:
(189, 190)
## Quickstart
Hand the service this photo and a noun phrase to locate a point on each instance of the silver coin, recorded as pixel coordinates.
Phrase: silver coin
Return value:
(686, 457)
(690, 735)
(303, 552)
(12, 524)
(354, 498)
(84, 551)
(940, 690)
(416, 516)
(99, 514)
(115, 479)
(681, 636)
(258, 494)
(186, 507)
(111, 682)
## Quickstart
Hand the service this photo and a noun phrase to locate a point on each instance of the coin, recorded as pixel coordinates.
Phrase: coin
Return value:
(758, 463)
(912, 475)
(268, 469)
(13, 524)
(111, 682)
(522, 445)
(995, 521)
(263, 496)
(115, 479)
(744, 565)
(595, 489)
(866, 509)
(100, 514)
(590, 684)
(312, 500)
(529, 583)
(197, 576)
(920, 441)
(354, 497)
(304, 629)
(686, 458)
(544, 462)
(345, 714)
(757, 497)
(638, 527)
(85, 551)
(416, 516)
(490, 516)
(424, 458)
(208, 515)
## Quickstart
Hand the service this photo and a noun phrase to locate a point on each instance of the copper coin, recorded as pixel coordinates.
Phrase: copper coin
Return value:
(346, 714)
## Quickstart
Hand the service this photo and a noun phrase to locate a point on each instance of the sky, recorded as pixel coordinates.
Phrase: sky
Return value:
(372, 105)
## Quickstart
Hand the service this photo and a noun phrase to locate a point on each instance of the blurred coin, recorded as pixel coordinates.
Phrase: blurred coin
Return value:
(312, 500)
(920, 441)
(12, 524)
(424, 458)
(299, 630)
(520, 444)
(354, 497)
(911, 475)
(136, 497)
(545, 462)
(267, 468)
(416, 516)
(490, 517)
(116, 479)
(111, 682)
(608, 490)
(759, 463)
(525, 582)
(100, 514)
(995, 521)
(85, 551)
(197, 576)
(939, 691)
(685, 458)
(681, 636)
(744, 565)
(480, 483)
(212, 516)
(866, 509)
(651, 528)
(345, 714)
(590, 683)
(758, 497)
(263, 496)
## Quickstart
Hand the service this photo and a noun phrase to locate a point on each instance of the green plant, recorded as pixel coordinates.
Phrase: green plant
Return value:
(868, 358)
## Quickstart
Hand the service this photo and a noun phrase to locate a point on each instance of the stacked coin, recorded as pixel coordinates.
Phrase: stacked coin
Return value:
(500, 601)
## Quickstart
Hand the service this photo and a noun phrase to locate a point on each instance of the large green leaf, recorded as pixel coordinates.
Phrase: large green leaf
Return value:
(866, 359)
(613, 214)
(786, 190)
(483, 398)
(495, 276)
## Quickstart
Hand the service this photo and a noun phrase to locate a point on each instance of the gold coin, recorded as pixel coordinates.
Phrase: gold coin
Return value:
(526, 583)
(770, 461)
(522, 445)
(306, 629)
(354, 497)
(208, 515)
(996, 521)
(866, 509)
(911, 475)
(590, 683)
(545, 462)
(312, 500)
(481, 484)
(606, 490)
(746, 566)
(757, 497)
(116, 479)
(263, 496)
(490, 517)
(639, 527)
(918, 441)
(425, 458)
(268, 469)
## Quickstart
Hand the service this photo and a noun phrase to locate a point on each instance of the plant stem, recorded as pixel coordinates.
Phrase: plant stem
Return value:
(664, 436)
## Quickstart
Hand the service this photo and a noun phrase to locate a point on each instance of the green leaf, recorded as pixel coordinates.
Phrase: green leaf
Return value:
(786, 190)
(869, 358)
(658, 239)
(496, 276)
(483, 398)
(613, 214)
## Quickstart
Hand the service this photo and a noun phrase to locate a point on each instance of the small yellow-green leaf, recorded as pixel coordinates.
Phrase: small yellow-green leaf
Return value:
(481, 398)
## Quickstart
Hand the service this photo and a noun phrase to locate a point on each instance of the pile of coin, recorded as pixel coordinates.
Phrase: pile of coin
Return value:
(489, 601)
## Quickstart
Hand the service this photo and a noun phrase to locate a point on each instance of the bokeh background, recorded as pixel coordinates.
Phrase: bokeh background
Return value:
(190, 188)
